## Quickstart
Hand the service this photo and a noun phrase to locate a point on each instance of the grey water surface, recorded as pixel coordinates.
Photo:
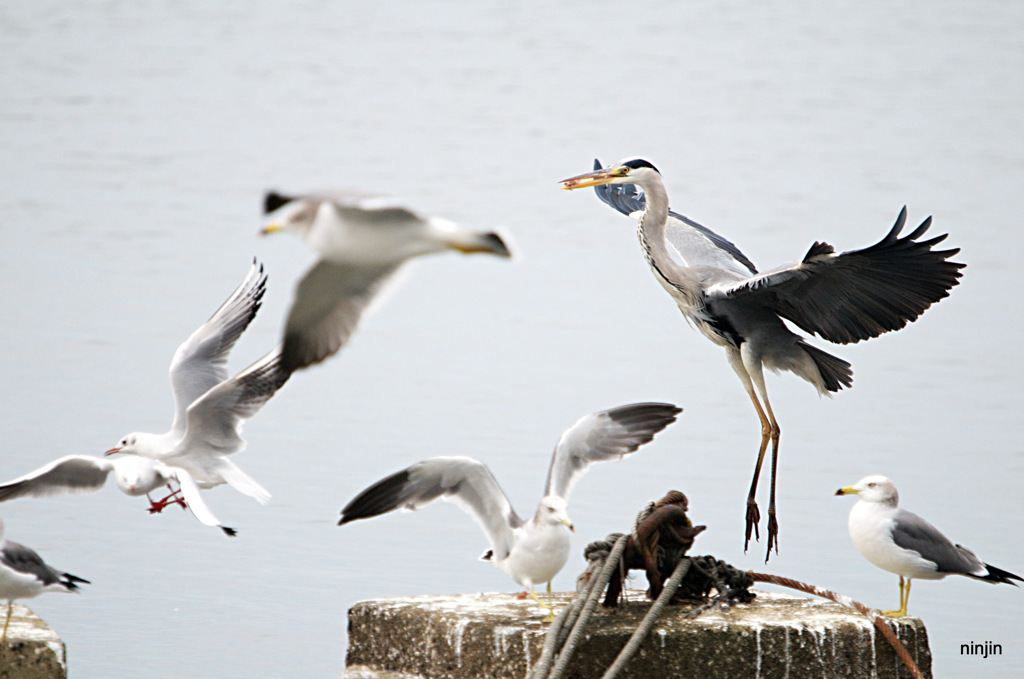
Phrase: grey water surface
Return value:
(136, 140)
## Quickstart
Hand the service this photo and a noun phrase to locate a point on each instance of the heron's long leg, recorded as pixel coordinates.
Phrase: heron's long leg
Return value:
(753, 514)
(753, 365)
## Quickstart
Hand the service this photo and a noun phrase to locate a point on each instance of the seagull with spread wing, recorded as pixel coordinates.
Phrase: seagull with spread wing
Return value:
(532, 551)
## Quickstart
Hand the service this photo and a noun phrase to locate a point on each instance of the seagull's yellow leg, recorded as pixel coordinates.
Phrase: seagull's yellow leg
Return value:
(550, 617)
(904, 598)
(10, 606)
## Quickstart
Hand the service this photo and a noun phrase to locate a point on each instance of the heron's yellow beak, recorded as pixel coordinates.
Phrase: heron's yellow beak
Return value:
(847, 490)
(272, 227)
(568, 524)
(595, 178)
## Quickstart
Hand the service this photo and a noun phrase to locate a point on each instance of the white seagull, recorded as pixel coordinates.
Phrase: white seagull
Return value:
(24, 575)
(902, 542)
(361, 241)
(209, 407)
(134, 475)
(530, 552)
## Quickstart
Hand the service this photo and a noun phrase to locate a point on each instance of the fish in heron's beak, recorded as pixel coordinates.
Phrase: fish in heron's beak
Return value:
(595, 178)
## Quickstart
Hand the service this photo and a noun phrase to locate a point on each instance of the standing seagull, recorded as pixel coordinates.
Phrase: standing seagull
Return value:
(361, 241)
(209, 407)
(530, 552)
(24, 575)
(845, 297)
(134, 475)
(902, 542)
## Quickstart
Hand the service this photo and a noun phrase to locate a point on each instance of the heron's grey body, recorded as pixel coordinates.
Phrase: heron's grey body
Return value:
(530, 552)
(134, 475)
(210, 408)
(24, 574)
(842, 297)
(361, 240)
(901, 542)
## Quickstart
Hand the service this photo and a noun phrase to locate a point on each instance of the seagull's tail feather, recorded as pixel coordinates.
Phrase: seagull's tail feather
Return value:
(71, 582)
(835, 372)
(998, 575)
(242, 482)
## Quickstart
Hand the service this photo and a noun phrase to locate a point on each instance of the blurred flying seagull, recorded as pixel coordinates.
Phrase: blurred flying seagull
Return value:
(530, 552)
(209, 407)
(24, 575)
(361, 241)
(902, 542)
(843, 297)
(134, 475)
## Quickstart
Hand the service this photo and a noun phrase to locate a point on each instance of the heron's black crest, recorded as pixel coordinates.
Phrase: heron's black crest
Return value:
(637, 163)
(273, 200)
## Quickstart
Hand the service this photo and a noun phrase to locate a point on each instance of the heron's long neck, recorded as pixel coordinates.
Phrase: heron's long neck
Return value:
(651, 232)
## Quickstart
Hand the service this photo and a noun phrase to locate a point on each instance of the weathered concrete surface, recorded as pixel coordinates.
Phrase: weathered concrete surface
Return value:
(32, 650)
(496, 635)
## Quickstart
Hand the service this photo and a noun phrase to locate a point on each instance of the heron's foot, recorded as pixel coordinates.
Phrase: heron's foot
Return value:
(753, 517)
(773, 534)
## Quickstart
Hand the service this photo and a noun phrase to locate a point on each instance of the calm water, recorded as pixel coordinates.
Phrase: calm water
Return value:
(136, 140)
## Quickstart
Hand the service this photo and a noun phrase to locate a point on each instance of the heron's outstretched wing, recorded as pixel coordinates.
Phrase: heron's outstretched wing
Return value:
(696, 245)
(70, 474)
(215, 420)
(462, 480)
(329, 301)
(200, 362)
(858, 294)
(605, 435)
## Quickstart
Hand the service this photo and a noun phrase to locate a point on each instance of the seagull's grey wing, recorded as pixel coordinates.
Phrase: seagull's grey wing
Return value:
(912, 532)
(193, 498)
(214, 421)
(71, 474)
(462, 480)
(605, 435)
(696, 245)
(329, 301)
(858, 294)
(18, 557)
(200, 362)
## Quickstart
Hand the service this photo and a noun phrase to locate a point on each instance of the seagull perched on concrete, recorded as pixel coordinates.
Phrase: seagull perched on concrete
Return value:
(843, 297)
(530, 552)
(209, 407)
(24, 575)
(134, 475)
(902, 542)
(361, 241)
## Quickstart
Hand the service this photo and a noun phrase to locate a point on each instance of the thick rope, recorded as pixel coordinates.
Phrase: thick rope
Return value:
(645, 626)
(871, 614)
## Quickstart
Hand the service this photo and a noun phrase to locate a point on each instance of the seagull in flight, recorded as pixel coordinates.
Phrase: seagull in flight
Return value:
(902, 542)
(209, 407)
(24, 575)
(533, 551)
(361, 241)
(134, 475)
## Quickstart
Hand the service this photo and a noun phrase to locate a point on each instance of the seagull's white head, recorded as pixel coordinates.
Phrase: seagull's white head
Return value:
(136, 475)
(875, 488)
(553, 511)
(136, 443)
(627, 171)
(289, 214)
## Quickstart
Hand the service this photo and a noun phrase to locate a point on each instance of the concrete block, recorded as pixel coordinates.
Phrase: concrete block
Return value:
(32, 650)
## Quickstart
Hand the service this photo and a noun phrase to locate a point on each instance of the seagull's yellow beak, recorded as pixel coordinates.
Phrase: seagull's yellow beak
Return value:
(272, 227)
(568, 524)
(595, 178)
(847, 490)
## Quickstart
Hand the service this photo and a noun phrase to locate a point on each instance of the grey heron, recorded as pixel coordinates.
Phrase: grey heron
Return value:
(361, 241)
(902, 542)
(530, 552)
(134, 476)
(842, 297)
(209, 407)
(24, 574)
